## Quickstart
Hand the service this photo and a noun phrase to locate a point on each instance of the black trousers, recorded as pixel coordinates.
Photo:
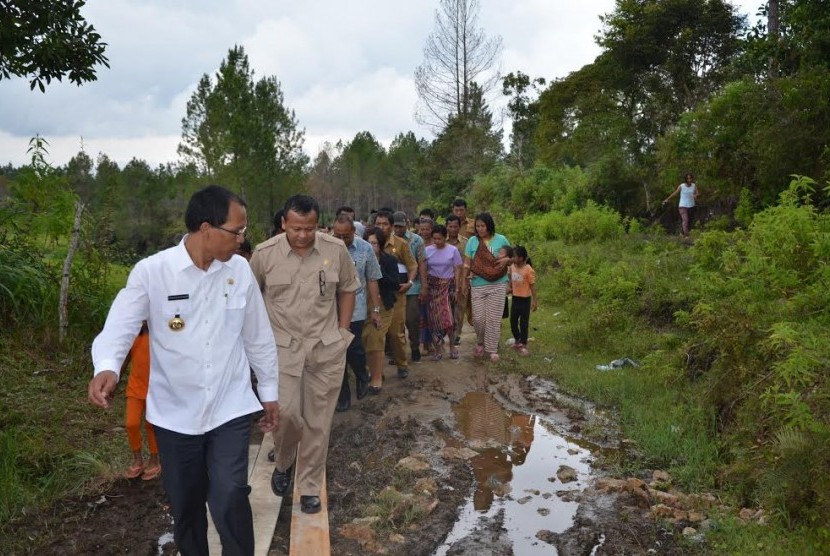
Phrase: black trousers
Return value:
(356, 359)
(520, 319)
(212, 468)
(413, 321)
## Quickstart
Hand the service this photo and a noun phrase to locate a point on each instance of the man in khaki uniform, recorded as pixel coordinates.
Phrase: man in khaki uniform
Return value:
(398, 248)
(468, 224)
(459, 241)
(309, 282)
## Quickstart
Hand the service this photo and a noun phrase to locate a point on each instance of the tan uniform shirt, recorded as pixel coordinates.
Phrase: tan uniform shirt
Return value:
(399, 248)
(468, 229)
(460, 243)
(300, 291)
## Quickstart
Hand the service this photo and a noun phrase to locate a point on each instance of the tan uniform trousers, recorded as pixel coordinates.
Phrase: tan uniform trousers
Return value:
(459, 310)
(310, 378)
(397, 331)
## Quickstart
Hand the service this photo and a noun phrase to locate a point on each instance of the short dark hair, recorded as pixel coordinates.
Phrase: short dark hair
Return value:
(341, 210)
(488, 221)
(210, 205)
(278, 219)
(439, 229)
(459, 203)
(302, 204)
(343, 218)
(453, 218)
(427, 212)
(382, 213)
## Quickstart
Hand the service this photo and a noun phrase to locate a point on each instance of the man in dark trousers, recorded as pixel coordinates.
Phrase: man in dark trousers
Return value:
(208, 326)
(368, 272)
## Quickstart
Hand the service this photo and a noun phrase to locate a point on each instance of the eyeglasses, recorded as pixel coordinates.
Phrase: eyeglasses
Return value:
(321, 277)
(239, 234)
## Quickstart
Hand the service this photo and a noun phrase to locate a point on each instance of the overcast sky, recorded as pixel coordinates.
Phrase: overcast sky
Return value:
(344, 67)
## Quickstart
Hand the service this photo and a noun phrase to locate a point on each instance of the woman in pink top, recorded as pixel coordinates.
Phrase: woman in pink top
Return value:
(443, 273)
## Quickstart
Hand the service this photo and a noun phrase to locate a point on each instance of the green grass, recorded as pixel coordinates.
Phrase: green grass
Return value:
(53, 442)
(730, 535)
(604, 301)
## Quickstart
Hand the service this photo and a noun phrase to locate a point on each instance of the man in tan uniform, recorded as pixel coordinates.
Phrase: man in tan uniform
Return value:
(459, 241)
(468, 224)
(309, 282)
(398, 248)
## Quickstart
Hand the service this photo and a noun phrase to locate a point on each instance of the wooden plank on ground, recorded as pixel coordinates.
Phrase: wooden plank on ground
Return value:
(309, 532)
(264, 505)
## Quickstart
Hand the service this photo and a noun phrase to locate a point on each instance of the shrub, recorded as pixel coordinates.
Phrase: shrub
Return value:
(594, 222)
(762, 313)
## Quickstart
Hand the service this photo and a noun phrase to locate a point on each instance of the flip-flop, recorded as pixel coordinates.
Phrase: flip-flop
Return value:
(151, 473)
(134, 471)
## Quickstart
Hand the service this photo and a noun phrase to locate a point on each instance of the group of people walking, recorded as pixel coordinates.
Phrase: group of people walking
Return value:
(304, 308)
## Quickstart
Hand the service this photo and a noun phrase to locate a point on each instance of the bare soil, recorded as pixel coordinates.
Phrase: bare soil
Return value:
(410, 418)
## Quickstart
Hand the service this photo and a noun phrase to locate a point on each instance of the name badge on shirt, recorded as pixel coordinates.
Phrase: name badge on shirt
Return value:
(177, 322)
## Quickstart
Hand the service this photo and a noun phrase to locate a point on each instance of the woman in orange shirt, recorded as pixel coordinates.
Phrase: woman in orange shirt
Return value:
(136, 403)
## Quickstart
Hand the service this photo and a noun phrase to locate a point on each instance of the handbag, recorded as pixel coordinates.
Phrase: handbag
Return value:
(484, 264)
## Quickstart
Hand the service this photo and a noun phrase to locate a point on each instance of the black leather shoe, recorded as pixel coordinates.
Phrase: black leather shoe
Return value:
(416, 355)
(403, 372)
(281, 480)
(362, 389)
(343, 405)
(375, 390)
(310, 504)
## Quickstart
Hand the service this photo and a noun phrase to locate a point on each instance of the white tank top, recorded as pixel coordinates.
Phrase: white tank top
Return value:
(687, 195)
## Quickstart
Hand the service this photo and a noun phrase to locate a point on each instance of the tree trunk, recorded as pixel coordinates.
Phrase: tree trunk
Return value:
(74, 238)
(648, 198)
(773, 25)
(772, 18)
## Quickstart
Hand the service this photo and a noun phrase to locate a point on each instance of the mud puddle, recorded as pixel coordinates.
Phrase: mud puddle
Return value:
(495, 441)
(528, 476)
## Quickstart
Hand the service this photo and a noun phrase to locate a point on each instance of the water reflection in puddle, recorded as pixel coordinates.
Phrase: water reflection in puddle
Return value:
(517, 455)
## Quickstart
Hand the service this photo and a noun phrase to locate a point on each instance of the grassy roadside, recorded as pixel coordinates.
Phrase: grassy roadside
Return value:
(53, 443)
(614, 299)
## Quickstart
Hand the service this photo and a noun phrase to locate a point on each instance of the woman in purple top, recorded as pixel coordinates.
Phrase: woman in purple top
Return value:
(443, 272)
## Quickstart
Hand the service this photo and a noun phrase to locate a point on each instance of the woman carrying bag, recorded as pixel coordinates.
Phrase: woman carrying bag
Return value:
(488, 284)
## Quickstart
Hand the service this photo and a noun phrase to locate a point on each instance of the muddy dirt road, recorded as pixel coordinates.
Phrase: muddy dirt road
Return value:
(462, 457)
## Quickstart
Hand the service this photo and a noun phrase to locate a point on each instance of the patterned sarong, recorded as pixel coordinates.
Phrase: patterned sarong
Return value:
(440, 312)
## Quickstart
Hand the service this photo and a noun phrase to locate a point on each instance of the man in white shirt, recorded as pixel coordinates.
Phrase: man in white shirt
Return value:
(208, 324)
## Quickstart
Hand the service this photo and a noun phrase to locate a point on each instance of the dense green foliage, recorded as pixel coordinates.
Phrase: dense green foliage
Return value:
(44, 40)
(733, 334)
(238, 131)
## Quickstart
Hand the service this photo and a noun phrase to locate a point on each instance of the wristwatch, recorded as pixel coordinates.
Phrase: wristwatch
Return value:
(376, 309)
